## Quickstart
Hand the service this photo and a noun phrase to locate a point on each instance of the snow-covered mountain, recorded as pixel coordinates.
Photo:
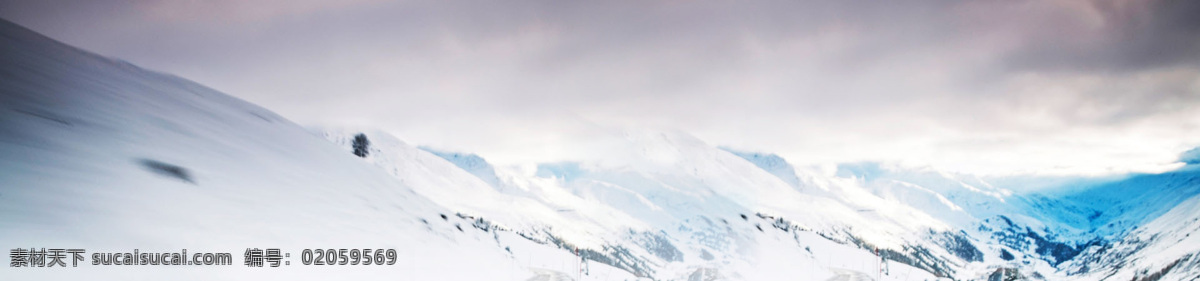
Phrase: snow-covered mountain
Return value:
(1110, 228)
(99, 154)
(1145, 223)
(686, 208)
(654, 223)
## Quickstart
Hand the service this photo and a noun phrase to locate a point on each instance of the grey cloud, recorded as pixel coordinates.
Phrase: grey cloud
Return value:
(494, 77)
(1122, 36)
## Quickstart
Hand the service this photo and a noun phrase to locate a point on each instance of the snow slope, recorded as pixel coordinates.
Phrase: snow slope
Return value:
(102, 155)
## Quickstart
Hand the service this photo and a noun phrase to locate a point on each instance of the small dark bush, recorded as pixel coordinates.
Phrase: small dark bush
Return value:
(361, 145)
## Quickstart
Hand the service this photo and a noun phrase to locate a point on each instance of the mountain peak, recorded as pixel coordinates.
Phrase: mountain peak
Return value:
(469, 162)
(771, 163)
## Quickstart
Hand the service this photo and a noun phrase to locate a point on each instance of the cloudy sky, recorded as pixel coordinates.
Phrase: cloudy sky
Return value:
(983, 86)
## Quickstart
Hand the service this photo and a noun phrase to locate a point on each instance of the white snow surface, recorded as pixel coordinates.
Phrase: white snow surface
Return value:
(81, 134)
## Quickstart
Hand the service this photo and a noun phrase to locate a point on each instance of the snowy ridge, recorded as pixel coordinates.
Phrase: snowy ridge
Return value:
(471, 163)
(772, 164)
(101, 155)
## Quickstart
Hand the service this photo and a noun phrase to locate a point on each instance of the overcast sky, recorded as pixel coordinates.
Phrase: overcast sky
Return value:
(983, 86)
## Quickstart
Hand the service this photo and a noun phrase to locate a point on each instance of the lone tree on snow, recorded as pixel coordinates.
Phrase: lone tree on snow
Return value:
(360, 145)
